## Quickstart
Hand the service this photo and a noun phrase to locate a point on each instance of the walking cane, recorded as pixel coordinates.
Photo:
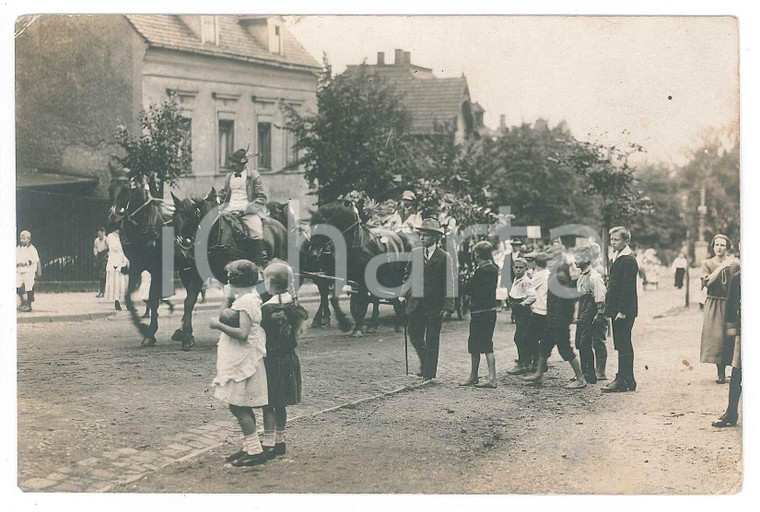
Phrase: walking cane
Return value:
(406, 348)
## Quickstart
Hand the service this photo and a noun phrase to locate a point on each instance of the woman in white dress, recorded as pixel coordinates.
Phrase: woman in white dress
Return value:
(116, 276)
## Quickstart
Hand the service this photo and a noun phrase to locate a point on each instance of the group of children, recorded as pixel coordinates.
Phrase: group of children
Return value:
(257, 365)
(542, 299)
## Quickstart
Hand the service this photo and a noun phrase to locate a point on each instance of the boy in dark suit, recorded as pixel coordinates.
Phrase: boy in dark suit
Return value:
(622, 306)
(482, 314)
(428, 295)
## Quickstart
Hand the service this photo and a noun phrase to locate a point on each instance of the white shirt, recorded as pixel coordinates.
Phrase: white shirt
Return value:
(27, 259)
(540, 281)
(116, 257)
(624, 252)
(238, 192)
(680, 262)
(590, 282)
(429, 252)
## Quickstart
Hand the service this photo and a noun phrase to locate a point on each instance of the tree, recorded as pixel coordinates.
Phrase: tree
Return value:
(355, 140)
(714, 166)
(162, 152)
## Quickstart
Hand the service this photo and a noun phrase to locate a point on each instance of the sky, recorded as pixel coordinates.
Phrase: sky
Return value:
(661, 82)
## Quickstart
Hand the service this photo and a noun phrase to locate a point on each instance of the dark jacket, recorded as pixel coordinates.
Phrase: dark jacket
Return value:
(734, 303)
(438, 282)
(622, 296)
(483, 287)
(254, 186)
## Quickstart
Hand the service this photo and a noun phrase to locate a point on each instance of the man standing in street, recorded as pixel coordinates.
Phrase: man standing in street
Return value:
(622, 307)
(428, 295)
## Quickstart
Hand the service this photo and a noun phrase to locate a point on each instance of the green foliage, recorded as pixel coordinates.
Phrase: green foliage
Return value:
(355, 140)
(664, 226)
(162, 152)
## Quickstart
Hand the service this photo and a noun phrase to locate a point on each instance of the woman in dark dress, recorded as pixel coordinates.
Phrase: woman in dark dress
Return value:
(282, 320)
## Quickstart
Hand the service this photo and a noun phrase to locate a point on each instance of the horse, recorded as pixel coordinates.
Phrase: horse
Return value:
(140, 219)
(226, 243)
(362, 245)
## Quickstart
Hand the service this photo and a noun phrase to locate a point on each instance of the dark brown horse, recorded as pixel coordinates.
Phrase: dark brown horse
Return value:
(226, 243)
(140, 220)
(362, 244)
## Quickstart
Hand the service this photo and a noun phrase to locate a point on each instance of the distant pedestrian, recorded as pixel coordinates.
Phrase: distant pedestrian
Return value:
(716, 347)
(241, 379)
(482, 314)
(27, 265)
(100, 250)
(521, 297)
(679, 266)
(425, 312)
(733, 328)
(282, 319)
(622, 306)
(117, 268)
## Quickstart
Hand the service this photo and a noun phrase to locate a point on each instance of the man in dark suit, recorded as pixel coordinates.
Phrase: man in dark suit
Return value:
(428, 294)
(622, 306)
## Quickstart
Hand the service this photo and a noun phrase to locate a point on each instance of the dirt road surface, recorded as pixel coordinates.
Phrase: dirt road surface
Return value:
(89, 396)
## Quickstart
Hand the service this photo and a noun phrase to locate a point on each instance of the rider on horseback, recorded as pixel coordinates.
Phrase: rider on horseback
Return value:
(243, 193)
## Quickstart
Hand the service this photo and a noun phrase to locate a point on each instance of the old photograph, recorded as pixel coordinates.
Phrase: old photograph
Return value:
(332, 254)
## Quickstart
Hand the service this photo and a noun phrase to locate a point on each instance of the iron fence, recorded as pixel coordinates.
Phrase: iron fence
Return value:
(63, 229)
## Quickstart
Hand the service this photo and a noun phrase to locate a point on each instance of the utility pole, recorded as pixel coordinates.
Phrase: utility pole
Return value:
(684, 213)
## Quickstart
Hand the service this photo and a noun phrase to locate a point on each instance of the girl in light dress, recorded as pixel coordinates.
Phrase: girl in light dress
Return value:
(241, 379)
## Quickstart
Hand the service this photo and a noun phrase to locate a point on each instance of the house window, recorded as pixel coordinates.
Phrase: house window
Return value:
(275, 40)
(209, 32)
(187, 128)
(226, 141)
(265, 146)
(291, 153)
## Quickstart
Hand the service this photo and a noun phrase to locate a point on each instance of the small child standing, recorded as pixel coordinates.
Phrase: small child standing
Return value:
(592, 323)
(241, 375)
(27, 262)
(282, 319)
(482, 314)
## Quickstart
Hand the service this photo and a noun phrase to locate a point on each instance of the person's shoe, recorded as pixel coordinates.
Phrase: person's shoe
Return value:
(26, 308)
(631, 384)
(590, 379)
(721, 380)
(146, 314)
(618, 385)
(236, 455)
(269, 452)
(99, 295)
(279, 449)
(532, 377)
(470, 382)
(116, 305)
(727, 420)
(519, 370)
(250, 460)
(576, 384)
(486, 385)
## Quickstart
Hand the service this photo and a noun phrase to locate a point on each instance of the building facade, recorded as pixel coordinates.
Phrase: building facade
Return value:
(435, 104)
(79, 77)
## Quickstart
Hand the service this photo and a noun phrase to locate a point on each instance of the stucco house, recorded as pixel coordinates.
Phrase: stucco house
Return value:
(79, 77)
(434, 103)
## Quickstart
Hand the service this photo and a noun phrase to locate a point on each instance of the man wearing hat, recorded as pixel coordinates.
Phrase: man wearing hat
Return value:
(243, 192)
(412, 219)
(426, 305)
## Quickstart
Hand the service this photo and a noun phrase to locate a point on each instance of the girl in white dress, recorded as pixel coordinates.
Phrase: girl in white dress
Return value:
(116, 277)
(241, 379)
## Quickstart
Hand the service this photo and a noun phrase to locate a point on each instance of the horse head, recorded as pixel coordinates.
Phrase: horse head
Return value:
(120, 193)
(188, 214)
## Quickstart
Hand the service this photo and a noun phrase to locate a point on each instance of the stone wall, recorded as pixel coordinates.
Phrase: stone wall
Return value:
(77, 79)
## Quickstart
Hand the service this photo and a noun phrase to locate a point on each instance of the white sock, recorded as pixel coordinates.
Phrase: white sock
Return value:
(279, 436)
(268, 438)
(252, 444)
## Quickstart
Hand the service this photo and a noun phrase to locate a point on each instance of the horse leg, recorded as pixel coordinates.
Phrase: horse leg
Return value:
(193, 285)
(343, 322)
(359, 303)
(322, 317)
(154, 299)
(374, 319)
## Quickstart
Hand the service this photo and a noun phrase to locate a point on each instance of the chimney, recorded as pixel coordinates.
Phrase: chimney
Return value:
(503, 122)
(399, 59)
(407, 57)
(381, 58)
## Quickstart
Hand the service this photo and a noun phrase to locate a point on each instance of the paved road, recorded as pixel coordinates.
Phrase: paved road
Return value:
(96, 412)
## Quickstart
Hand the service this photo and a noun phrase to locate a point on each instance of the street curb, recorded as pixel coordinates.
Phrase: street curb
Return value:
(44, 319)
(201, 451)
